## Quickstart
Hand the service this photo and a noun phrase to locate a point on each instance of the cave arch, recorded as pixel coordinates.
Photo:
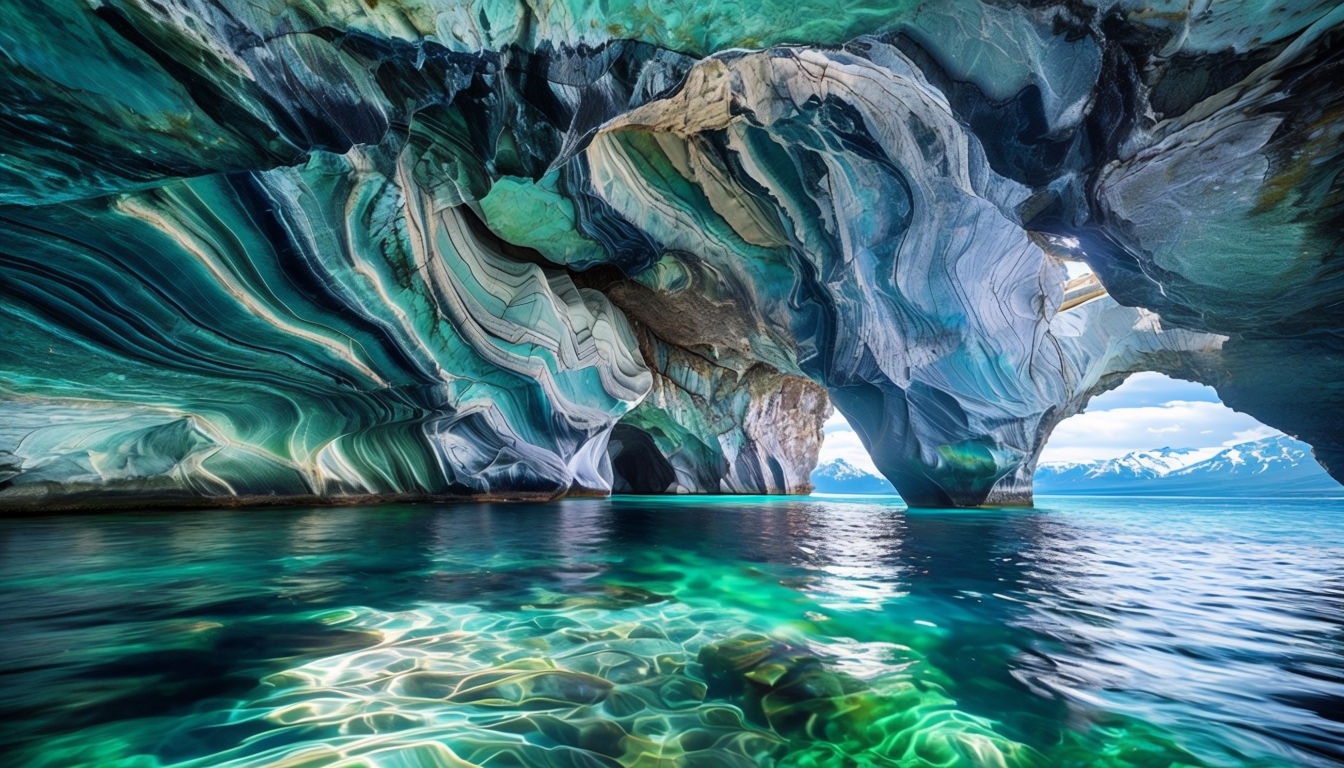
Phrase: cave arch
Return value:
(637, 465)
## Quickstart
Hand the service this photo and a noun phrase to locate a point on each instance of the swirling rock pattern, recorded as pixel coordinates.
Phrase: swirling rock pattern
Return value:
(343, 250)
(245, 312)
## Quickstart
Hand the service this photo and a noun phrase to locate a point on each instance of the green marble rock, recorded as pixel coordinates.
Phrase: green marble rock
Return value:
(273, 251)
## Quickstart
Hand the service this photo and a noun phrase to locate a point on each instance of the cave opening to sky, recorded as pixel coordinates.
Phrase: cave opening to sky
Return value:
(1148, 411)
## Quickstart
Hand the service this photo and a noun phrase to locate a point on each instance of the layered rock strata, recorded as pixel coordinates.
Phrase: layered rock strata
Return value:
(349, 250)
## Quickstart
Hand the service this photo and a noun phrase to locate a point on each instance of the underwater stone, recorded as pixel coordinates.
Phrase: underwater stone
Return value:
(789, 689)
(351, 250)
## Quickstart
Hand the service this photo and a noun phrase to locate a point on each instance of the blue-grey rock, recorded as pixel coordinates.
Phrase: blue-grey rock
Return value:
(345, 250)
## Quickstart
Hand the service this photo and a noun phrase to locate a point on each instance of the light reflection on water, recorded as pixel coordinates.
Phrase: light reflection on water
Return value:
(1086, 631)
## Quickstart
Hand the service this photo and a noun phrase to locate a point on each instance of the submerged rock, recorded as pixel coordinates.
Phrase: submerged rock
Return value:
(351, 250)
(791, 691)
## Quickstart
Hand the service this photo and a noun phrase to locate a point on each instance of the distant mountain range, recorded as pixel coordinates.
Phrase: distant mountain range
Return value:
(1272, 466)
(839, 476)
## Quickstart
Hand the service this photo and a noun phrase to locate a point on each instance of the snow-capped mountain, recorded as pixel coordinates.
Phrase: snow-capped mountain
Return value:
(1132, 467)
(839, 476)
(1274, 465)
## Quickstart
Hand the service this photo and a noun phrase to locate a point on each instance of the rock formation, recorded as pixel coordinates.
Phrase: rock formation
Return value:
(357, 249)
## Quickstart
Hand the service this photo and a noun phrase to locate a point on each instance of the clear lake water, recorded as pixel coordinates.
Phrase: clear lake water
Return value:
(659, 632)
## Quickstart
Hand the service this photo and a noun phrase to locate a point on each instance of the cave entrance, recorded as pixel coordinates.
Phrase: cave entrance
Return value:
(1150, 421)
(1172, 422)
(843, 465)
(637, 466)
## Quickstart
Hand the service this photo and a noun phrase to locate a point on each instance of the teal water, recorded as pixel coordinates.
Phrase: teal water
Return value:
(678, 632)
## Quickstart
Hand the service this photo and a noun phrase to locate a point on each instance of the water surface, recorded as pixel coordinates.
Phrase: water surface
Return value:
(692, 632)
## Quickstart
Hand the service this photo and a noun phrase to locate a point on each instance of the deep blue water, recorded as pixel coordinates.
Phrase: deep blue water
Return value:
(661, 632)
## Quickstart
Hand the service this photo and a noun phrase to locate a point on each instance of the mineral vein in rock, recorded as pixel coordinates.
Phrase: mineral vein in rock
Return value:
(350, 250)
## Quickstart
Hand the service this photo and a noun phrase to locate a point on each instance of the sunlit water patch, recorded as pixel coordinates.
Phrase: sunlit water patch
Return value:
(676, 632)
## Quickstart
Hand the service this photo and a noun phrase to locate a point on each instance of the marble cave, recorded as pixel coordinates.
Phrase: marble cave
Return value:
(340, 250)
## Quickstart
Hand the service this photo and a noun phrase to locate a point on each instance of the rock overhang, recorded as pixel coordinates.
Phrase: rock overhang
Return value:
(373, 250)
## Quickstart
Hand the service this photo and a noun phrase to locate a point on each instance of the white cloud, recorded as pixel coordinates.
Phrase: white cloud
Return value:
(1105, 434)
(1149, 388)
(843, 443)
(1258, 432)
(1151, 411)
(836, 423)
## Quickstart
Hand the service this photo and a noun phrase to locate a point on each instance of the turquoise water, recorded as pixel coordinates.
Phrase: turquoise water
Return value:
(678, 632)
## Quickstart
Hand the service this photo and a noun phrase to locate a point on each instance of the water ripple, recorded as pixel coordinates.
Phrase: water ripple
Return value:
(748, 632)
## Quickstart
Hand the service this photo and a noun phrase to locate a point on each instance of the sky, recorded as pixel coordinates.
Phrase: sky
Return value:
(1148, 411)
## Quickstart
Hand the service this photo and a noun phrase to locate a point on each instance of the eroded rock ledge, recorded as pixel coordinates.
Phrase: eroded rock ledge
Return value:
(339, 251)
